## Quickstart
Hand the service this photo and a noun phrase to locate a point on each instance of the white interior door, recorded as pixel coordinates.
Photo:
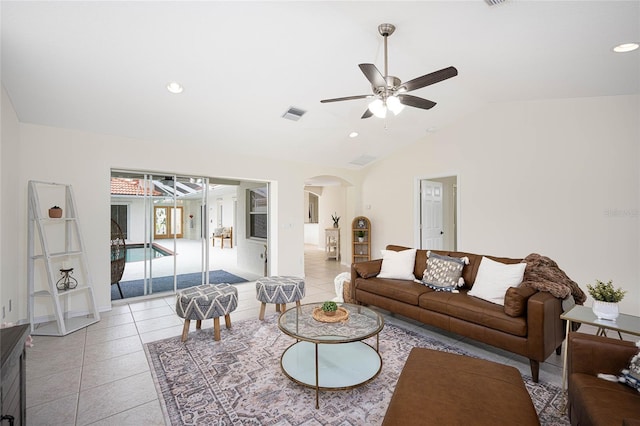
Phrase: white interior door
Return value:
(432, 230)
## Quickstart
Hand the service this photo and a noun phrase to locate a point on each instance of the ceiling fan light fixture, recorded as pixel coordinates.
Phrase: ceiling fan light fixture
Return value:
(378, 108)
(626, 47)
(394, 104)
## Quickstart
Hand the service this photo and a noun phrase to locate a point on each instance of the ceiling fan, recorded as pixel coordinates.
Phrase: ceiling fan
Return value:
(389, 92)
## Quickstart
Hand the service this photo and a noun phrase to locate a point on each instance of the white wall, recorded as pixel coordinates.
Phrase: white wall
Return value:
(42, 151)
(560, 178)
(10, 211)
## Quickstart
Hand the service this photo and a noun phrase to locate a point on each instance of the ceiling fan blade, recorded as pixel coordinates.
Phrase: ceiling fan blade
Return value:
(367, 114)
(347, 98)
(430, 78)
(416, 102)
(373, 75)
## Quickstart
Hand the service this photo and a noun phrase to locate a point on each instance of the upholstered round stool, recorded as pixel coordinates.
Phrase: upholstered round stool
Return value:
(204, 302)
(279, 290)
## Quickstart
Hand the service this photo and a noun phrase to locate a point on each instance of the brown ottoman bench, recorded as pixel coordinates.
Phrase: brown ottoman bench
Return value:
(440, 388)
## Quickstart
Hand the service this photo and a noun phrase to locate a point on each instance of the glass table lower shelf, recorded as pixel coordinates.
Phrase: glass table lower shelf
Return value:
(340, 366)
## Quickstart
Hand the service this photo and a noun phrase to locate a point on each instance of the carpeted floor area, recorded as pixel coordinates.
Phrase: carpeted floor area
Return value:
(160, 284)
(238, 380)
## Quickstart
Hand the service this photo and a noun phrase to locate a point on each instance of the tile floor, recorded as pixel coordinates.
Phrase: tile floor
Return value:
(100, 375)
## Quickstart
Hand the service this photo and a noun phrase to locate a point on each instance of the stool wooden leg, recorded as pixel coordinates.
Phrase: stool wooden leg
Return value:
(263, 306)
(198, 324)
(216, 328)
(283, 307)
(227, 321)
(277, 307)
(297, 303)
(185, 330)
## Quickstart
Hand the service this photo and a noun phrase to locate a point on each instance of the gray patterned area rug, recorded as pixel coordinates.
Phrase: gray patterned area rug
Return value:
(238, 380)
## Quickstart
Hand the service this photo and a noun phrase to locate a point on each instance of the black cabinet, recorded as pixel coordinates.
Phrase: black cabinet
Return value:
(12, 375)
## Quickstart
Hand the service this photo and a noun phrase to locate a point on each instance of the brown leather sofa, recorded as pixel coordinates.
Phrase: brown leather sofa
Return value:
(594, 401)
(535, 334)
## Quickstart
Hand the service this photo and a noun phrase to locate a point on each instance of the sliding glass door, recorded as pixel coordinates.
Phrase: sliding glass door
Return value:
(166, 222)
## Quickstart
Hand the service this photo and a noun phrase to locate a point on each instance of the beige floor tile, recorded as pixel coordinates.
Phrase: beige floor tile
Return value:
(112, 348)
(116, 310)
(115, 397)
(157, 312)
(163, 333)
(54, 386)
(40, 363)
(145, 326)
(60, 412)
(149, 414)
(75, 340)
(112, 321)
(147, 304)
(111, 333)
(116, 368)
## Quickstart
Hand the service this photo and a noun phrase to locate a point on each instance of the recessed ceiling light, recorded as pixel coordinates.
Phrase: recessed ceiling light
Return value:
(174, 87)
(626, 47)
(353, 134)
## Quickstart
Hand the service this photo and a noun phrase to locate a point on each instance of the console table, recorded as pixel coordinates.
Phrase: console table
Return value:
(12, 375)
(332, 243)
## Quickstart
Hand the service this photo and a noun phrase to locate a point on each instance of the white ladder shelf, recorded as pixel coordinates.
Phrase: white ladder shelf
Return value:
(61, 309)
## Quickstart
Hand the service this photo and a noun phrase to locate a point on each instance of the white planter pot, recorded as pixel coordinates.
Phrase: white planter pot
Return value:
(605, 310)
(360, 239)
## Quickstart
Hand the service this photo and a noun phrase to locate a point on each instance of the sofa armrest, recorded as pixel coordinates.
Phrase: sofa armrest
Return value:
(591, 354)
(545, 330)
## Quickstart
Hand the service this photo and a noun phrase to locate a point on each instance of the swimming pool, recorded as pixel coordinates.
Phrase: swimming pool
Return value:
(136, 252)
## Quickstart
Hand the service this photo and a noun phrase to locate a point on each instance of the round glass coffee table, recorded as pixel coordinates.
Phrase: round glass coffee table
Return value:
(331, 355)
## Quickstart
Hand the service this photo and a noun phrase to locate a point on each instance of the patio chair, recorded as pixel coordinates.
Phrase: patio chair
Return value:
(223, 234)
(118, 255)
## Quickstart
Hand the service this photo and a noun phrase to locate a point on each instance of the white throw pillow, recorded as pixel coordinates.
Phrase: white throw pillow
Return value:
(494, 278)
(398, 264)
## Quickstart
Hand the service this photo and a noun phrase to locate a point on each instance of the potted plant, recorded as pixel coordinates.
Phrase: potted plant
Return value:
(605, 299)
(360, 235)
(329, 308)
(335, 219)
(55, 212)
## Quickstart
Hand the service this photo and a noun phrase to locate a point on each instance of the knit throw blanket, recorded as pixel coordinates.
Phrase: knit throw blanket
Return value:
(543, 274)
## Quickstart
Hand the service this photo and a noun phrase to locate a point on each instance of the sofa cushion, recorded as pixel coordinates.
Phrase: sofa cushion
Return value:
(494, 278)
(398, 264)
(594, 401)
(400, 290)
(443, 272)
(516, 299)
(464, 307)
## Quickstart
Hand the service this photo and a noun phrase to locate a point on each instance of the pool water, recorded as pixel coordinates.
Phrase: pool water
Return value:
(136, 252)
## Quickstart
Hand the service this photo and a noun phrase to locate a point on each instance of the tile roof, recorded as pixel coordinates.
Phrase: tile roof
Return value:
(120, 186)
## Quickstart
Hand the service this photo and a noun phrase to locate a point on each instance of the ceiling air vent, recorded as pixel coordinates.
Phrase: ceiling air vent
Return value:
(494, 2)
(362, 160)
(294, 113)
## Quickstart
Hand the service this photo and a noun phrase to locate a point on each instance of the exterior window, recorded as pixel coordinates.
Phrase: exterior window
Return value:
(258, 202)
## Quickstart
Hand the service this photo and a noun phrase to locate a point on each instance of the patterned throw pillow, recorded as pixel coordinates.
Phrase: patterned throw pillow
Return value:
(631, 375)
(444, 273)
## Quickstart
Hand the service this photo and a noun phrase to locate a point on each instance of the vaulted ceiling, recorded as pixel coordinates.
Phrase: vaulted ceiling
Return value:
(103, 67)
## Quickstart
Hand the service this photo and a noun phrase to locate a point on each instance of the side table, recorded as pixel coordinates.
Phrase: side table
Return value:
(625, 323)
